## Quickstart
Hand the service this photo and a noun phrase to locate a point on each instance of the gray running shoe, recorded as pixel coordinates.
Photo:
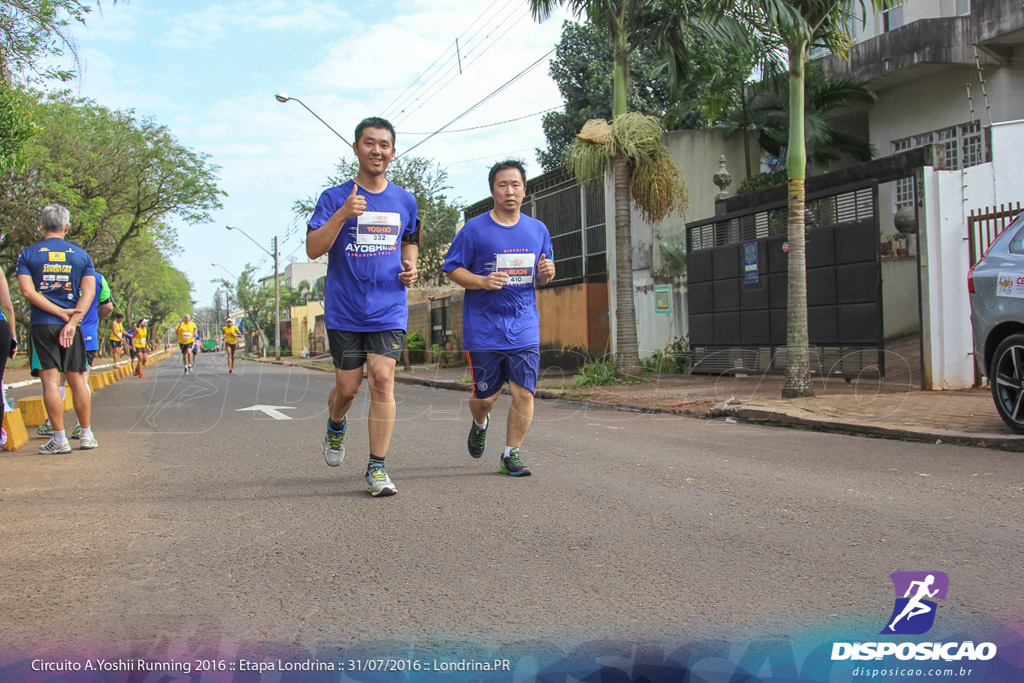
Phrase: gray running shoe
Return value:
(52, 446)
(477, 440)
(87, 442)
(45, 429)
(379, 482)
(334, 443)
(512, 465)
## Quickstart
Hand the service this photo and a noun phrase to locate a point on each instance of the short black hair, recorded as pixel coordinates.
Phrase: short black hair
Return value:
(119, 315)
(504, 166)
(375, 122)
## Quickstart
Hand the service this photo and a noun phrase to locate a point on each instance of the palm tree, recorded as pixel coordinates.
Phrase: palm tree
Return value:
(629, 23)
(825, 142)
(797, 25)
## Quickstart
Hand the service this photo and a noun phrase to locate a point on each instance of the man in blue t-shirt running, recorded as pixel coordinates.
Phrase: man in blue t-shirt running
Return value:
(499, 257)
(368, 228)
(59, 281)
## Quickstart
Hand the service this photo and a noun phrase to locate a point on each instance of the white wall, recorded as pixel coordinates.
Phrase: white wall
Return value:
(657, 330)
(310, 271)
(899, 297)
(949, 198)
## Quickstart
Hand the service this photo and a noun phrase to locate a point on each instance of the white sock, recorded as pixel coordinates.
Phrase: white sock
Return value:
(59, 437)
(487, 421)
(86, 431)
(508, 451)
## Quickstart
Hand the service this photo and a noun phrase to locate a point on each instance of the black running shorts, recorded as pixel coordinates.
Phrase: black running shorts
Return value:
(49, 354)
(349, 349)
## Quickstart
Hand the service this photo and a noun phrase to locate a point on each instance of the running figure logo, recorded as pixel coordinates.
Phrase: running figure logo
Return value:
(914, 612)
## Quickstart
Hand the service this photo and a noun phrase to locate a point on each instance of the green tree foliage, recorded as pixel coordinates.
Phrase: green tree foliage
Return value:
(675, 90)
(825, 142)
(123, 180)
(16, 125)
(257, 300)
(33, 29)
(438, 215)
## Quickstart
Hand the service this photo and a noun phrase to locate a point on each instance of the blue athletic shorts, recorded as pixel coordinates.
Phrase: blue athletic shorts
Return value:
(491, 369)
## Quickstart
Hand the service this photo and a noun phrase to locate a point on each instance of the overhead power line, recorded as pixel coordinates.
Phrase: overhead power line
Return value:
(423, 80)
(485, 99)
(488, 125)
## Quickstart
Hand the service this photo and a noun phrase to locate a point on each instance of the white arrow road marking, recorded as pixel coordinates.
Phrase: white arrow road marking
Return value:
(272, 411)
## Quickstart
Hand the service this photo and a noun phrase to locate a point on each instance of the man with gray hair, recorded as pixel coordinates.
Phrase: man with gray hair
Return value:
(59, 281)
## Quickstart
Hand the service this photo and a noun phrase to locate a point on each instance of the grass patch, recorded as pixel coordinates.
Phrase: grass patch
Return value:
(600, 374)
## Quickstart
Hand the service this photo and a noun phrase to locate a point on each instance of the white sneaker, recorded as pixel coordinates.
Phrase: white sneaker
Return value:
(52, 446)
(379, 482)
(334, 443)
(87, 442)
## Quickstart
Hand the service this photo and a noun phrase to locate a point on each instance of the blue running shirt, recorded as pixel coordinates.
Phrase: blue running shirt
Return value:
(57, 269)
(91, 320)
(363, 292)
(506, 318)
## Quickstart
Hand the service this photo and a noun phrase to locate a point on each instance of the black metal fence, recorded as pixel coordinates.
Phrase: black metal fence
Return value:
(737, 286)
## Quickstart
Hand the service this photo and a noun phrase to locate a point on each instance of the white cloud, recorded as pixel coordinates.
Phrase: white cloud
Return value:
(213, 25)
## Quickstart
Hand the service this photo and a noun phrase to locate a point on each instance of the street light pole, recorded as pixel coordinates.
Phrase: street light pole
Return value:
(283, 97)
(277, 294)
(277, 307)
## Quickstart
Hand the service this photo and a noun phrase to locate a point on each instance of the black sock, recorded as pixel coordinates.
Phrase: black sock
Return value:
(335, 426)
(374, 460)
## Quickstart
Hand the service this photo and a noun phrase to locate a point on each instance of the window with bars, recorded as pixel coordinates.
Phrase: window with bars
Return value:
(965, 145)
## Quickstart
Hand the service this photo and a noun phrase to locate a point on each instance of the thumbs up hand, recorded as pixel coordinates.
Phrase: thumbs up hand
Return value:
(355, 205)
(545, 270)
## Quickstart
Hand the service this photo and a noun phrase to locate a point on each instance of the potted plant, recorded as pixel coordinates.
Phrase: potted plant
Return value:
(900, 242)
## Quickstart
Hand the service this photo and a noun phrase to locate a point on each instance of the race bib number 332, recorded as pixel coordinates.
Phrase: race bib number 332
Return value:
(381, 229)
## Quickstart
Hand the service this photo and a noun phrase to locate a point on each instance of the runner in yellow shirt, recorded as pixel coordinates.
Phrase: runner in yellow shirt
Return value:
(231, 333)
(187, 331)
(140, 347)
(117, 337)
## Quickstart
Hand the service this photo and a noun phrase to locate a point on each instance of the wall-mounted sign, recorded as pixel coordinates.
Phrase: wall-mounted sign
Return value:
(750, 263)
(663, 298)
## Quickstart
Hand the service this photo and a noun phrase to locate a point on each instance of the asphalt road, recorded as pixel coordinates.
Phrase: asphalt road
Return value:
(198, 524)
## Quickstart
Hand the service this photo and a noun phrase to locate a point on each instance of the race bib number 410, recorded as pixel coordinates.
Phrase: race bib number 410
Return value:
(518, 267)
(381, 229)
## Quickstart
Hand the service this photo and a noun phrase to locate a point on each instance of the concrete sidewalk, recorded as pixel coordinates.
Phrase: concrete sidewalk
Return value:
(890, 410)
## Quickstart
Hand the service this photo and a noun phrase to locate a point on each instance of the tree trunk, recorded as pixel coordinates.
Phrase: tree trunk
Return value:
(627, 359)
(798, 373)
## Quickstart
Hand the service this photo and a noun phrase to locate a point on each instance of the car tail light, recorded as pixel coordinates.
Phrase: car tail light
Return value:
(970, 279)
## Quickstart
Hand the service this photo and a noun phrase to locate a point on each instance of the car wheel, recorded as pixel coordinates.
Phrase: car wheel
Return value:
(1007, 377)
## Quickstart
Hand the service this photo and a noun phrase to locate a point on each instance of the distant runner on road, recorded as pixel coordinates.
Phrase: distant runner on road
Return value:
(231, 333)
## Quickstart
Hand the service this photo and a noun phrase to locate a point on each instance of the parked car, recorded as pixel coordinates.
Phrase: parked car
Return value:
(996, 288)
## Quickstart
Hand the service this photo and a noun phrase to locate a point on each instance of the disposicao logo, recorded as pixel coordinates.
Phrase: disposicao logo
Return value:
(913, 614)
(916, 592)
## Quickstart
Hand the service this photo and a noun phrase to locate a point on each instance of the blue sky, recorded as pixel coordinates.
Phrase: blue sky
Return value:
(209, 71)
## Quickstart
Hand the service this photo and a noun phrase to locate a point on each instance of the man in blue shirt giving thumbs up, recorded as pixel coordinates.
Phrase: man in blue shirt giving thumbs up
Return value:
(368, 228)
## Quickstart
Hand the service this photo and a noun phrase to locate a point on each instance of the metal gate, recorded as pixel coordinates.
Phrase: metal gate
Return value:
(737, 286)
(440, 323)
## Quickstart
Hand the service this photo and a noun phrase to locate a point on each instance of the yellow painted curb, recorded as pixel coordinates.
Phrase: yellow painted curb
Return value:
(33, 410)
(14, 425)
